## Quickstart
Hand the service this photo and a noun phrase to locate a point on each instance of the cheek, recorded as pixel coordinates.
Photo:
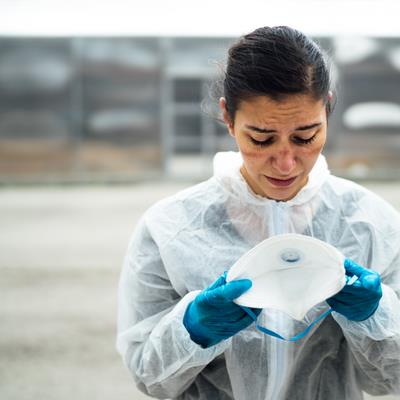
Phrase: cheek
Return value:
(309, 156)
(310, 151)
(254, 160)
(252, 153)
(254, 157)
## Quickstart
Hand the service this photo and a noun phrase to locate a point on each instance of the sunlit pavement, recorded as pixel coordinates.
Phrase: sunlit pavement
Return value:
(61, 251)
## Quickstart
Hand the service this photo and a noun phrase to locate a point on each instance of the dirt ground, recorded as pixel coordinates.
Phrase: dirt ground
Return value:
(61, 251)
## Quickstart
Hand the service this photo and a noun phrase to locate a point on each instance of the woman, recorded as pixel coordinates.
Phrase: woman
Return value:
(181, 334)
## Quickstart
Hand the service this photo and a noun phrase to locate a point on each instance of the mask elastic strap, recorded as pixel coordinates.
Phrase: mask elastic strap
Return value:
(274, 334)
(250, 312)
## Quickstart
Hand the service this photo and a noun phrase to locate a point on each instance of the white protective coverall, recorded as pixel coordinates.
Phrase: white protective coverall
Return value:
(183, 243)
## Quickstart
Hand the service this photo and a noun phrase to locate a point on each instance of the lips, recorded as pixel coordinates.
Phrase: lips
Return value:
(281, 182)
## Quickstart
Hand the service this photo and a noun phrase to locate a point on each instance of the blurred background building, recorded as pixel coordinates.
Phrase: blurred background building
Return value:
(122, 108)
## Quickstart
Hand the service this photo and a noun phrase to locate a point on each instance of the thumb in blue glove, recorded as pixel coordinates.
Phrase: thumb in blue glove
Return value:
(213, 316)
(360, 300)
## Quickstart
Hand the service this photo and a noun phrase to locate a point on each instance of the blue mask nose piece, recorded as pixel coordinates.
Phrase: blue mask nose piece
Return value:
(300, 335)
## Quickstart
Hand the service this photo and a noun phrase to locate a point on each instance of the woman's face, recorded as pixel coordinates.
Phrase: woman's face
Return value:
(280, 142)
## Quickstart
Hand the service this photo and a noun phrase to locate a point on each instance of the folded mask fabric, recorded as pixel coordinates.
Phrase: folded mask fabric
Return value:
(291, 273)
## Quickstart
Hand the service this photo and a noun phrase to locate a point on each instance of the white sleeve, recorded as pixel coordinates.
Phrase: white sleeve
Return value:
(152, 339)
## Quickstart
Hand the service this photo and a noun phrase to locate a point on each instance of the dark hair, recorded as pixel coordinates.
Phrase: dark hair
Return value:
(275, 62)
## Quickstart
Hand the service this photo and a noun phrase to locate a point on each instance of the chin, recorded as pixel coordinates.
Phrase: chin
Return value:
(280, 195)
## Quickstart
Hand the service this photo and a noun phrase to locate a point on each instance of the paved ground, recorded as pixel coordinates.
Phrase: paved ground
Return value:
(60, 255)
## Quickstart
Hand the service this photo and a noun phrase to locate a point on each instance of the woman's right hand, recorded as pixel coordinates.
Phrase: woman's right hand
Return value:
(213, 316)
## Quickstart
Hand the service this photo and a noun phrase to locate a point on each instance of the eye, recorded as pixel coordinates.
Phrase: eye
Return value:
(261, 142)
(300, 140)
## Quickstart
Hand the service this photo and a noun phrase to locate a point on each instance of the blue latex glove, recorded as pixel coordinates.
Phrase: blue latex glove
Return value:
(360, 300)
(212, 316)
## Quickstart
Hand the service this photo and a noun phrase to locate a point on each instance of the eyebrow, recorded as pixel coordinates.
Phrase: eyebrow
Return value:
(300, 128)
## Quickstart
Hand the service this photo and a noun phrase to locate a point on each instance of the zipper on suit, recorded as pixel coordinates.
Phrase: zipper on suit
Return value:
(278, 347)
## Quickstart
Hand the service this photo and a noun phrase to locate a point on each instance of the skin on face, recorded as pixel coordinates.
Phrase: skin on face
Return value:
(280, 142)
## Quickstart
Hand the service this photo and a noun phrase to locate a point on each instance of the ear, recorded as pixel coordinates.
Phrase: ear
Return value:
(225, 116)
(330, 96)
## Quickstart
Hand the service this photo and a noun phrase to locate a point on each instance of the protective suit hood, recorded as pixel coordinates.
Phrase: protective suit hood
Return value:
(227, 173)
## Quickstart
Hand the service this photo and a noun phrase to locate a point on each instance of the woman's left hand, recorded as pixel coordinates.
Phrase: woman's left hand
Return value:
(358, 301)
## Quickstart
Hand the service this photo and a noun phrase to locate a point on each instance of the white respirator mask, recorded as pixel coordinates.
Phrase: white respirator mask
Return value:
(291, 273)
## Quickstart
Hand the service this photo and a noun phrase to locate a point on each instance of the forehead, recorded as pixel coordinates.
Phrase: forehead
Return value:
(295, 108)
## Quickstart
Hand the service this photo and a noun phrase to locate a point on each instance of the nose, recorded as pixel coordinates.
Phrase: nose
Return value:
(284, 162)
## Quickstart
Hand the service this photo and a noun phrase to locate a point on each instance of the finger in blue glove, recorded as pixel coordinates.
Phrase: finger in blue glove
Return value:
(358, 301)
(213, 316)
